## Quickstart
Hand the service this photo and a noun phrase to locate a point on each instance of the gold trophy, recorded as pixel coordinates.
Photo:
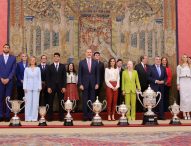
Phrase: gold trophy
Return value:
(68, 106)
(15, 108)
(149, 102)
(175, 110)
(42, 111)
(97, 107)
(122, 109)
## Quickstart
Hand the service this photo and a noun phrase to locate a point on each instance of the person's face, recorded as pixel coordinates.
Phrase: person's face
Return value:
(184, 58)
(157, 60)
(6, 49)
(145, 60)
(71, 67)
(164, 61)
(119, 64)
(130, 65)
(24, 57)
(56, 58)
(32, 61)
(112, 62)
(43, 59)
(97, 56)
(88, 53)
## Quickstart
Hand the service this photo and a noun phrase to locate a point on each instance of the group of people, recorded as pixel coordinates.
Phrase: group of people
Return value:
(40, 83)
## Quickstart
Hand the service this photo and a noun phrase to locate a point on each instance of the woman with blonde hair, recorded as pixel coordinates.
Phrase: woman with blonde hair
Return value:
(130, 83)
(184, 86)
(32, 86)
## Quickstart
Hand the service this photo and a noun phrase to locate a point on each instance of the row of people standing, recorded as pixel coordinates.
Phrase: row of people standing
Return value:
(90, 78)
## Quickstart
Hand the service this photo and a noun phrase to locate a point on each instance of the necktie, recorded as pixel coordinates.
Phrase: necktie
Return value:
(159, 71)
(89, 65)
(145, 68)
(43, 67)
(56, 67)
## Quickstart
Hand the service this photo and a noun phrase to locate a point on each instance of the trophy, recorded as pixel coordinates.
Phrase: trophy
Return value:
(15, 108)
(149, 102)
(175, 109)
(122, 109)
(97, 107)
(42, 111)
(68, 106)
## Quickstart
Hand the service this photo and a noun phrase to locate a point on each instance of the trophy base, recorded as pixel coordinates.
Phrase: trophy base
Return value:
(68, 122)
(15, 124)
(42, 124)
(96, 122)
(150, 120)
(175, 122)
(123, 122)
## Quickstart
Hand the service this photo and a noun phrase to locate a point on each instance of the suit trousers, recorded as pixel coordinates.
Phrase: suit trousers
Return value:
(5, 90)
(130, 101)
(111, 100)
(31, 105)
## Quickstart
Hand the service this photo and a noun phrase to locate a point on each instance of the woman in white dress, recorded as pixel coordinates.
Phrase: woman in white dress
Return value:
(184, 86)
(32, 86)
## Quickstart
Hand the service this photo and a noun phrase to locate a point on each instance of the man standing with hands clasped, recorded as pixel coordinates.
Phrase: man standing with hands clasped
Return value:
(88, 80)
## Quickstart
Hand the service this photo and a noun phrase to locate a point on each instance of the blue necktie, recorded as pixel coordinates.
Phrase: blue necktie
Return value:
(159, 71)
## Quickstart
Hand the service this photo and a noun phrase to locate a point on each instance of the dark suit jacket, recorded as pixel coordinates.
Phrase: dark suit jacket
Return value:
(54, 77)
(20, 72)
(101, 72)
(153, 76)
(43, 72)
(87, 78)
(7, 70)
(143, 76)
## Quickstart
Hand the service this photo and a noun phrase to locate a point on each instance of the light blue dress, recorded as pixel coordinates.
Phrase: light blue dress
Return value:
(32, 86)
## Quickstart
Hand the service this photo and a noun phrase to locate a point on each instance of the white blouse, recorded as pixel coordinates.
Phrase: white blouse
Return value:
(72, 78)
(112, 74)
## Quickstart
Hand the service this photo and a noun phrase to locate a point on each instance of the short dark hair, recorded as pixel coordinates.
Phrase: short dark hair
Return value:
(6, 45)
(141, 58)
(109, 63)
(96, 53)
(119, 60)
(56, 53)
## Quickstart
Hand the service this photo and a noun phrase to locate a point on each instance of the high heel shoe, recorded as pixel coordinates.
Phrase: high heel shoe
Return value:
(113, 117)
(109, 118)
(188, 116)
(185, 118)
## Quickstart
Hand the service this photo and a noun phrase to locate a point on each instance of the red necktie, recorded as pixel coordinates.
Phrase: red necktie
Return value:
(145, 68)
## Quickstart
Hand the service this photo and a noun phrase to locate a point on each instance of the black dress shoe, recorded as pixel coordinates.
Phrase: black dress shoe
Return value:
(1, 119)
(85, 119)
(161, 118)
(7, 119)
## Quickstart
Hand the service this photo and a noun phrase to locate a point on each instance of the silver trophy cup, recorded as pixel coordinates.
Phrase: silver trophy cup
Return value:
(122, 110)
(68, 106)
(149, 102)
(175, 110)
(42, 111)
(15, 108)
(97, 107)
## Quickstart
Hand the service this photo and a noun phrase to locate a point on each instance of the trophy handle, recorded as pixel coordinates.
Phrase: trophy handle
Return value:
(105, 105)
(47, 107)
(89, 101)
(62, 103)
(8, 100)
(74, 104)
(140, 99)
(24, 100)
(158, 93)
(170, 109)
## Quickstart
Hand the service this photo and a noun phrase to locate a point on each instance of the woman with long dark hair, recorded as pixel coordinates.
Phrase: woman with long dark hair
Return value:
(112, 84)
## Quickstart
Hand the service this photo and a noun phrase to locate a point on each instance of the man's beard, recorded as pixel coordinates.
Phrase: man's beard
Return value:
(5, 52)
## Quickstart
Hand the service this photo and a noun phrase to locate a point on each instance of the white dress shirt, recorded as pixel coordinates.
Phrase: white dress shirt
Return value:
(5, 56)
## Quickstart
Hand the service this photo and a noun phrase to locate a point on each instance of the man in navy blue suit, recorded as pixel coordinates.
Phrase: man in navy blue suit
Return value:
(88, 80)
(20, 75)
(7, 71)
(157, 79)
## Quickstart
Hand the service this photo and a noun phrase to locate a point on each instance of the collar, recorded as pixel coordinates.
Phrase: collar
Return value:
(7, 55)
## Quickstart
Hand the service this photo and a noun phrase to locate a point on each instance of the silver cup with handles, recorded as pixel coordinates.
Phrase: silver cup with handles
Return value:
(122, 110)
(15, 108)
(175, 110)
(42, 112)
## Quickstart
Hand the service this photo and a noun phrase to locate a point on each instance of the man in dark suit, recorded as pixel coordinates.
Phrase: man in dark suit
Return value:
(142, 70)
(7, 71)
(101, 74)
(157, 78)
(20, 75)
(88, 80)
(56, 83)
(120, 68)
(43, 93)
